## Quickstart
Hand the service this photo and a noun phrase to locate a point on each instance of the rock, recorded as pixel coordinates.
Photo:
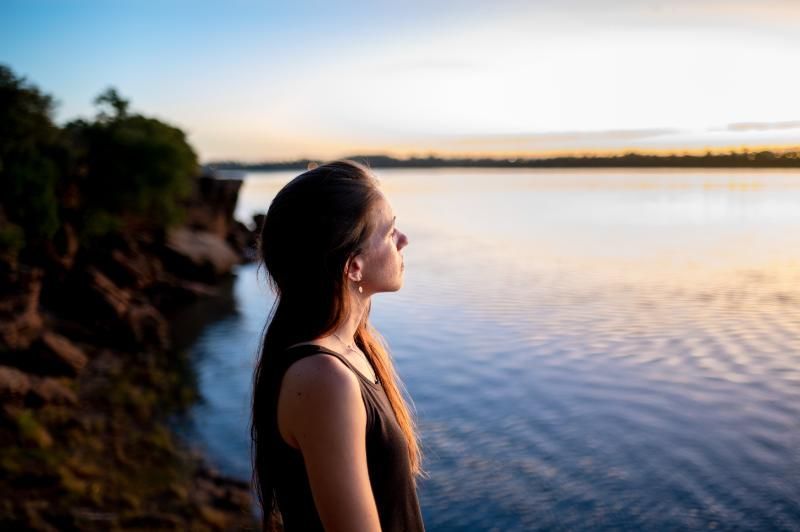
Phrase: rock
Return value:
(198, 255)
(95, 299)
(169, 292)
(50, 391)
(211, 210)
(135, 270)
(109, 297)
(58, 356)
(13, 382)
(212, 205)
(20, 321)
(121, 315)
(148, 326)
(243, 240)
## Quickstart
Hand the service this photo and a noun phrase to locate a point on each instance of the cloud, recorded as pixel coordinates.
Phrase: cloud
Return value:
(763, 126)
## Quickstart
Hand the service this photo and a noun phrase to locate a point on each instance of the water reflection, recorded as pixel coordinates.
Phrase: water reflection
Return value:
(601, 349)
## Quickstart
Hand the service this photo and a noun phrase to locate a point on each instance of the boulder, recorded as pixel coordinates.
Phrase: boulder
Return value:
(198, 255)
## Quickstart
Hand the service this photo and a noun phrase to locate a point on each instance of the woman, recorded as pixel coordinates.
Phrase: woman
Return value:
(334, 444)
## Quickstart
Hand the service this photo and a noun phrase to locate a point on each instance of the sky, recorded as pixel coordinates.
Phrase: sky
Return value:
(258, 81)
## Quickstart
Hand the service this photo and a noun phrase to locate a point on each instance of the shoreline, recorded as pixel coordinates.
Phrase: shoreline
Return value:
(744, 159)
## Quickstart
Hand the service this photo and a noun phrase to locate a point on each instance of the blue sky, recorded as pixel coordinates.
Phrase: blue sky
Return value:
(264, 80)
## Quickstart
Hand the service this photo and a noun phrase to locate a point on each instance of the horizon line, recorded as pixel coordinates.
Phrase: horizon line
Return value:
(526, 156)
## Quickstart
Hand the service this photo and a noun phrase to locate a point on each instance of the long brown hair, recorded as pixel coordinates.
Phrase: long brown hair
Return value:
(314, 225)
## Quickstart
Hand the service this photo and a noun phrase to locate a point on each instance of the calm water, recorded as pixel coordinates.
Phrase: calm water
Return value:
(615, 349)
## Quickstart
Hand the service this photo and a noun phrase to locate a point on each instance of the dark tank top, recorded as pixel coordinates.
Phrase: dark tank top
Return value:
(387, 461)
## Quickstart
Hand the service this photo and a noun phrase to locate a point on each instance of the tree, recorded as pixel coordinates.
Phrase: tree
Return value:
(135, 169)
(32, 156)
(122, 170)
(112, 98)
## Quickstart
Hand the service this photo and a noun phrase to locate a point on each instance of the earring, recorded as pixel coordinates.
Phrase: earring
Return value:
(360, 290)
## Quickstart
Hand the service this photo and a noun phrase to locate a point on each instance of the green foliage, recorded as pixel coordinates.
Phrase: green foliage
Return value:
(136, 167)
(127, 171)
(32, 155)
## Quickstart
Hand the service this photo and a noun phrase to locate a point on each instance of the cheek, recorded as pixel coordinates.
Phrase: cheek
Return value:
(389, 261)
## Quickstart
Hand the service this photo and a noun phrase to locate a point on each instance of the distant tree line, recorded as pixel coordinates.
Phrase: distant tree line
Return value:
(744, 159)
(98, 176)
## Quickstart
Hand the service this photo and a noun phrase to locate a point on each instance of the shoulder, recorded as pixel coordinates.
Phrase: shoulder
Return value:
(321, 372)
(320, 385)
(320, 397)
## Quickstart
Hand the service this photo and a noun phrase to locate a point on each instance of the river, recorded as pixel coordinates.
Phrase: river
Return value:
(586, 349)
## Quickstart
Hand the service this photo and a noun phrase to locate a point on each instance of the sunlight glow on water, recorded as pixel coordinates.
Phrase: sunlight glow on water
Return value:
(586, 349)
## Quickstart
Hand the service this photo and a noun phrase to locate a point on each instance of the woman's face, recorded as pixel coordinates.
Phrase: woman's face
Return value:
(381, 261)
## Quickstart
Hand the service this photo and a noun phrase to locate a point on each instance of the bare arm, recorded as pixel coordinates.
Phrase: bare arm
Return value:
(320, 410)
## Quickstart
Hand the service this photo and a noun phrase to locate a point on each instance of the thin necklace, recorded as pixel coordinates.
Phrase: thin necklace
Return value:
(348, 346)
(351, 348)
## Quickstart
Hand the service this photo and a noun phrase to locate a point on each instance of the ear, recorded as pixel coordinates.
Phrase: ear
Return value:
(354, 269)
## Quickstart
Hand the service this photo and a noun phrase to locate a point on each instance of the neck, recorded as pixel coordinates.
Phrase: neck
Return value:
(347, 329)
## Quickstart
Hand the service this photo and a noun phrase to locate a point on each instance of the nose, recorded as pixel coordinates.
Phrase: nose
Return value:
(402, 241)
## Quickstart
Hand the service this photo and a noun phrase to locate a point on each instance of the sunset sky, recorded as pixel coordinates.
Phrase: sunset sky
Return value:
(257, 81)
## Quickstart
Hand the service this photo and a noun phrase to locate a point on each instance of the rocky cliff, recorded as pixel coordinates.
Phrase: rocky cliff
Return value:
(88, 378)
